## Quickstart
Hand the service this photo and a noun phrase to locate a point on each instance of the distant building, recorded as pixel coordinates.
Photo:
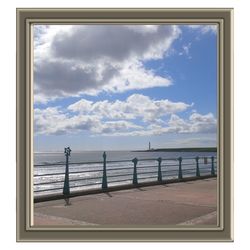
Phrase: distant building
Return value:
(149, 146)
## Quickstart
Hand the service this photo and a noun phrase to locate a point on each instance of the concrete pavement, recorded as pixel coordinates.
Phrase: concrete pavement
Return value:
(185, 203)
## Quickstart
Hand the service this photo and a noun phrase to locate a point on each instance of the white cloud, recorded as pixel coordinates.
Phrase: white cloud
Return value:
(106, 118)
(54, 121)
(178, 124)
(186, 50)
(143, 29)
(114, 126)
(203, 123)
(204, 29)
(135, 106)
(196, 124)
(88, 59)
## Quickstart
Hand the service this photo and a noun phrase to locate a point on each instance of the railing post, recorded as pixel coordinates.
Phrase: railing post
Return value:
(159, 169)
(66, 188)
(180, 168)
(197, 167)
(104, 175)
(212, 166)
(135, 181)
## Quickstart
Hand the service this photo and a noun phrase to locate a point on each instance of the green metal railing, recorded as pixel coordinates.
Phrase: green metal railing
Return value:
(104, 174)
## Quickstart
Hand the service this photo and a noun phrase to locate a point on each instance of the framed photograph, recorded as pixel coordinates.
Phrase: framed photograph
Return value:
(124, 125)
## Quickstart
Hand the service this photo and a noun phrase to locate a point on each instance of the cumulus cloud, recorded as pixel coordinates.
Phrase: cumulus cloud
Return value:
(52, 121)
(116, 42)
(203, 125)
(138, 115)
(55, 121)
(89, 59)
(135, 106)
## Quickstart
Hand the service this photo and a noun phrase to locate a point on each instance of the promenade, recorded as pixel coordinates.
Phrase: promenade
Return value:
(185, 203)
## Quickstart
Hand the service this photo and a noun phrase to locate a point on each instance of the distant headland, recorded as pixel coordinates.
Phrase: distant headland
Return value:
(205, 149)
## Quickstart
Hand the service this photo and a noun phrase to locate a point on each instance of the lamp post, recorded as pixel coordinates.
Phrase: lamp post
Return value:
(104, 175)
(66, 189)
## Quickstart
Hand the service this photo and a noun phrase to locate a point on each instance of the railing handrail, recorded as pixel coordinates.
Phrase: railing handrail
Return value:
(118, 161)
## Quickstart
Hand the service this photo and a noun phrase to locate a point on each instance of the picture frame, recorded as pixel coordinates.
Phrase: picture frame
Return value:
(25, 19)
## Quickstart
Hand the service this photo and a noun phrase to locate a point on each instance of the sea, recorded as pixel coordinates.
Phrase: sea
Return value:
(86, 168)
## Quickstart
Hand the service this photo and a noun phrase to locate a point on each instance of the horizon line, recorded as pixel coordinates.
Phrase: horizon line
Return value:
(101, 150)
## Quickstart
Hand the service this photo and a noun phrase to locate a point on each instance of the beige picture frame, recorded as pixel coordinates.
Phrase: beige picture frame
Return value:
(26, 231)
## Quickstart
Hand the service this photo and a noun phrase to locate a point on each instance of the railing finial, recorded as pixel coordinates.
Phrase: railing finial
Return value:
(67, 151)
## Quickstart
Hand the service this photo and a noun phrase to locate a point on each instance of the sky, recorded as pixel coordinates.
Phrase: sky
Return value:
(119, 87)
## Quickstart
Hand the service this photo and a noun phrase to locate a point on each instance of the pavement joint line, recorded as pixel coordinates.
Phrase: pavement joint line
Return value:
(179, 203)
(199, 219)
(183, 203)
(65, 220)
(133, 198)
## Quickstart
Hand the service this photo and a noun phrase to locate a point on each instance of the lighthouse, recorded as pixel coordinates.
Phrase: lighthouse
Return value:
(149, 146)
